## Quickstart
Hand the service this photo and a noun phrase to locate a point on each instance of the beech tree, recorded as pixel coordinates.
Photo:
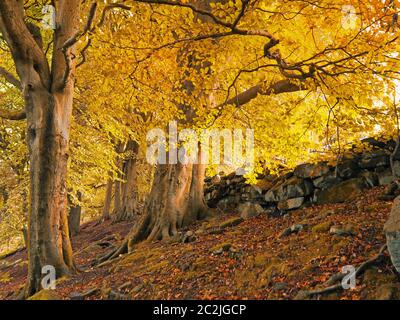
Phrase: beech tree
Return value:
(45, 74)
(47, 89)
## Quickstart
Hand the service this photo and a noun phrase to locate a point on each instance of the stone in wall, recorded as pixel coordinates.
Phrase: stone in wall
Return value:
(348, 169)
(385, 177)
(292, 188)
(326, 181)
(291, 204)
(371, 178)
(310, 170)
(375, 159)
(342, 192)
(248, 210)
(396, 168)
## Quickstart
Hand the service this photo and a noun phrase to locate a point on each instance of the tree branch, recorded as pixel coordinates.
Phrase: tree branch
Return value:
(12, 115)
(72, 41)
(10, 78)
(83, 53)
(110, 7)
(25, 50)
(281, 86)
(232, 26)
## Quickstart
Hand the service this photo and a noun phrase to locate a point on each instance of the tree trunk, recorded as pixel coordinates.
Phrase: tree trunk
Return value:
(25, 210)
(48, 95)
(117, 196)
(48, 136)
(74, 217)
(176, 200)
(128, 192)
(107, 201)
(25, 236)
(117, 191)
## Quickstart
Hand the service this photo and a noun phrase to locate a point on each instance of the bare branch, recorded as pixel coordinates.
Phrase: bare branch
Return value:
(281, 86)
(74, 39)
(191, 7)
(83, 53)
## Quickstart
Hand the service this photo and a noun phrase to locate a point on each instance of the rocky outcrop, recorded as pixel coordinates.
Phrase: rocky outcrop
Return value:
(307, 184)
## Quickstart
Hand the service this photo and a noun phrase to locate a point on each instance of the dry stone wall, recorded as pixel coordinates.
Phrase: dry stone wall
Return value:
(308, 183)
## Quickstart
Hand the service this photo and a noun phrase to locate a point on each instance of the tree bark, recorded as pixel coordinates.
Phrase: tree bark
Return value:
(24, 231)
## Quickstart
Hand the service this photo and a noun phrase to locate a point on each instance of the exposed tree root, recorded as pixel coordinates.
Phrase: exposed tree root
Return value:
(101, 221)
(82, 296)
(122, 249)
(339, 276)
(6, 266)
(104, 242)
(125, 215)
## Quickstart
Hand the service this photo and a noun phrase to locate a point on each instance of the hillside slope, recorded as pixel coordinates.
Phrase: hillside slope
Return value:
(231, 258)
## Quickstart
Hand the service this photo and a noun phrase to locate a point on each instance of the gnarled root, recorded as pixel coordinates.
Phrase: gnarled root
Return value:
(339, 277)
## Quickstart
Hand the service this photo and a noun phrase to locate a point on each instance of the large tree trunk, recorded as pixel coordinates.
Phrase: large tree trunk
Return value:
(117, 191)
(48, 94)
(127, 209)
(117, 196)
(176, 200)
(48, 135)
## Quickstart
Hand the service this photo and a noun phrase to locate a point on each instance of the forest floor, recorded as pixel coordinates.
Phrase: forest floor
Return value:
(231, 258)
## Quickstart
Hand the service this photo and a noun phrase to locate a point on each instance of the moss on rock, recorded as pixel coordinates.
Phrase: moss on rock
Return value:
(45, 295)
(322, 227)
